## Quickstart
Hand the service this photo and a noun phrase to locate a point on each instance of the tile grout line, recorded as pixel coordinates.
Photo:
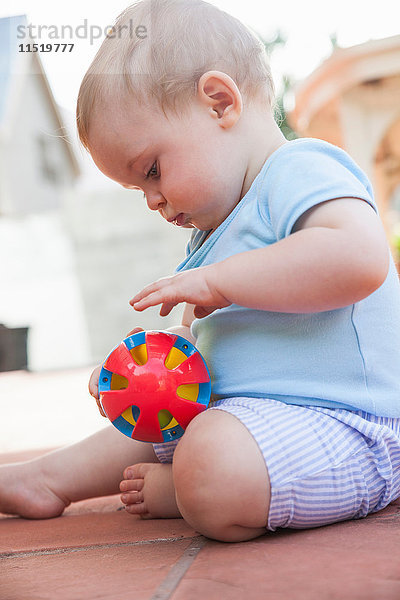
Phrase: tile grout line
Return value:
(179, 569)
(25, 554)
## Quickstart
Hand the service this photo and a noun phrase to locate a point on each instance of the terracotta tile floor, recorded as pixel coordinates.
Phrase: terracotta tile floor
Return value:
(97, 551)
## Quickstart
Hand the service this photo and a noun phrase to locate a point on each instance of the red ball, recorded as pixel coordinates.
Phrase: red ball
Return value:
(153, 384)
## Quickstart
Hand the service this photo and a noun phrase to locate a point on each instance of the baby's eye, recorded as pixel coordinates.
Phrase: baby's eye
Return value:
(153, 171)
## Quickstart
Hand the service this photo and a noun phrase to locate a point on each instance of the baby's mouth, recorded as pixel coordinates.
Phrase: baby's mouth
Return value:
(179, 220)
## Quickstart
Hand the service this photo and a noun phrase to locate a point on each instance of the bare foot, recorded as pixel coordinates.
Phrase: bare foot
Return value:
(148, 490)
(26, 491)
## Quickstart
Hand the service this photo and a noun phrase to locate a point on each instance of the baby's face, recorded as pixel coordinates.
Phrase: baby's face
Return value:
(190, 169)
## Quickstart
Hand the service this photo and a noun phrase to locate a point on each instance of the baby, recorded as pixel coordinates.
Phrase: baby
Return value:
(290, 294)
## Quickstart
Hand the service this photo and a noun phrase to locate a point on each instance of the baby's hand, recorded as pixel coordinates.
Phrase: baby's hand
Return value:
(195, 286)
(94, 388)
(94, 379)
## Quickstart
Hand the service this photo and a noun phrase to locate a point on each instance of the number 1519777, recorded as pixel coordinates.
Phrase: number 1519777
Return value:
(45, 47)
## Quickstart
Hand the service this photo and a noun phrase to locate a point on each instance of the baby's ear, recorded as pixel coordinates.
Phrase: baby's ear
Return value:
(221, 95)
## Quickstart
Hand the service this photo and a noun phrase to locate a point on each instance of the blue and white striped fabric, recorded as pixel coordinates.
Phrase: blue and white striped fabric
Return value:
(325, 465)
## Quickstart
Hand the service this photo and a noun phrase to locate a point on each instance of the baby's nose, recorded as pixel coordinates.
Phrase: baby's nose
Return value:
(155, 200)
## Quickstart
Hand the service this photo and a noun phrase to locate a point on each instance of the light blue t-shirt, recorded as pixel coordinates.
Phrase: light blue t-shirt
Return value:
(344, 358)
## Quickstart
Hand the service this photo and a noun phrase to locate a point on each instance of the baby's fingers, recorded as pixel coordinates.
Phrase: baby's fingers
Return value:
(158, 297)
(94, 389)
(144, 293)
(203, 311)
(135, 330)
(94, 383)
(99, 406)
(166, 308)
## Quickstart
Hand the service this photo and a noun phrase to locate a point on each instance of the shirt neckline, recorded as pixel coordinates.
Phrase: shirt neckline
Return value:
(202, 242)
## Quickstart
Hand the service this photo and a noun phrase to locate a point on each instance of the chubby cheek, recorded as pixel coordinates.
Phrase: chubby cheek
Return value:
(194, 180)
(197, 193)
(221, 176)
(203, 182)
(212, 173)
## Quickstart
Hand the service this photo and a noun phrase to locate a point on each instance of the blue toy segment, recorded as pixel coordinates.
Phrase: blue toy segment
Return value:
(204, 393)
(104, 382)
(137, 339)
(123, 426)
(173, 434)
(184, 346)
(135, 412)
(105, 379)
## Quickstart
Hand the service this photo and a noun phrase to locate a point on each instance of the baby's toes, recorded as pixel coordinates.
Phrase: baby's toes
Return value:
(137, 471)
(131, 485)
(132, 498)
(138, 508)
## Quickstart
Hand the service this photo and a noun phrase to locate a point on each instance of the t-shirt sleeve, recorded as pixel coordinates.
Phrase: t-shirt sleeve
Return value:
(306, 175)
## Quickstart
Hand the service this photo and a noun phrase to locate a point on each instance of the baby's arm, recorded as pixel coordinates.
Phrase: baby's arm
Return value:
(336, 255)
(184, 329)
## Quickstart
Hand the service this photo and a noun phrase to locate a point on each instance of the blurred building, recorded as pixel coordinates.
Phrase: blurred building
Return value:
(37, 169)
(74, 246)
(37, 163)
(353, 100)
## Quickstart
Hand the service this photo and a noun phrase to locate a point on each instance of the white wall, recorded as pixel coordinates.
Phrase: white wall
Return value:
(40, 289)
(25, 187)
(73, 256)
(120, 246)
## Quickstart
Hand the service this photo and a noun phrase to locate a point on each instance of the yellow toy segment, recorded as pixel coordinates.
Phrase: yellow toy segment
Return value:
(166, 419)
(128, 416)
(175, 358)
(118, 382)
(139, 354)
(190, 391)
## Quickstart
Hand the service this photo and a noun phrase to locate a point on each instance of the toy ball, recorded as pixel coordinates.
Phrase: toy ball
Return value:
(153, 384)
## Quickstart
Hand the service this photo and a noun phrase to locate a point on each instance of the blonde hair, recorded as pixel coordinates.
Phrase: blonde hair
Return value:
(158, 50)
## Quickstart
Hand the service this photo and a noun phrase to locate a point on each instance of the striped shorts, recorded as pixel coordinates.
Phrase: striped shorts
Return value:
(325, 465)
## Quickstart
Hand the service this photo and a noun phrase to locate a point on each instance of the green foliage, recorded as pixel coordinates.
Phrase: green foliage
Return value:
(278, 40)
(334, 40)
(280, 110)
(396, 244)
(285, 86)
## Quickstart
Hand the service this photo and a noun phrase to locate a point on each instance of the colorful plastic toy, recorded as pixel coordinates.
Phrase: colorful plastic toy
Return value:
(153, 384)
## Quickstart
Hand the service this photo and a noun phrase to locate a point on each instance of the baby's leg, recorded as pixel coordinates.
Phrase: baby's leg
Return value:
(43, 487)
(219, 478)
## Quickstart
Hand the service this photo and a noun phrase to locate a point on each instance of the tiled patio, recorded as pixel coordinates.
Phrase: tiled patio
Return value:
(97, 551)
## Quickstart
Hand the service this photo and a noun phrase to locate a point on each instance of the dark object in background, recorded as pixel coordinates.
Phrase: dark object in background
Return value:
(13, 355)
